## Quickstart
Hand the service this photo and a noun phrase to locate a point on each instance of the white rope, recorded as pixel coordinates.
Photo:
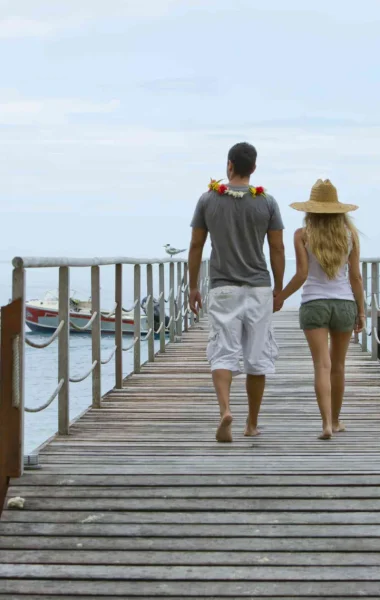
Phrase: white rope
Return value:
(126, 310)
(82, 378)
(160, 296)
(87, 326)
(50, 340)
(376, 302)
(110, 314)
(160, 327)
(147, 335)
(178, 317)
(16, 372)
(170, 322)
(170, 295)
(136, 339)
(52, 397)
(374, 329)
(107, 360)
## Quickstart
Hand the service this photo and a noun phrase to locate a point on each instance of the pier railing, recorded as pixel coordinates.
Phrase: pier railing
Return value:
(371, 336)
(170, 326)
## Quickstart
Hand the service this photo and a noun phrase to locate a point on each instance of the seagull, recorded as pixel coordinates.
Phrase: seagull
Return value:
(172, 251)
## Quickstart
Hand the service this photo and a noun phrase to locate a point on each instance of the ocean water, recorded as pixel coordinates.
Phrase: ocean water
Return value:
(41, 366)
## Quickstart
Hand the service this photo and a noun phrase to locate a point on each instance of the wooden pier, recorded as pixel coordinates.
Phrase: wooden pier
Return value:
(139, 500)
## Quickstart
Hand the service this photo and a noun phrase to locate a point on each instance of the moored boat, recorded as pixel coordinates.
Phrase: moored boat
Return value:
(42, 316)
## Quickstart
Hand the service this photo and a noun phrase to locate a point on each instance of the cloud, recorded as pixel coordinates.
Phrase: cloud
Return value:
(31, 19)
(51, 110)
(18, 27)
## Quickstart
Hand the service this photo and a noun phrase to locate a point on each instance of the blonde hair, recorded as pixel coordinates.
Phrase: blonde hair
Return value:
(327, 238)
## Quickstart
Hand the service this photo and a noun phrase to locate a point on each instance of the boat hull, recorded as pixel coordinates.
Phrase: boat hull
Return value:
(44, 320)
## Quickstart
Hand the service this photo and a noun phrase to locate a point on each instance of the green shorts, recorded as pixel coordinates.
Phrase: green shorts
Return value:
(337, 315)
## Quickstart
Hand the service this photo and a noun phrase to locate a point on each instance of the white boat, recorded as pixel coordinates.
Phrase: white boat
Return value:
(42, 316)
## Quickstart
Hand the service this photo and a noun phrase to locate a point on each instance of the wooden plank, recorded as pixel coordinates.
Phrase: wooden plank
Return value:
(218, 589)
(139, 501)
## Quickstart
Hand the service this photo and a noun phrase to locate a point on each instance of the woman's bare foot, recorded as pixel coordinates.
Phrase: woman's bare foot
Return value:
(338, 427)
(326, 433)
(251, 431)
(223, 433)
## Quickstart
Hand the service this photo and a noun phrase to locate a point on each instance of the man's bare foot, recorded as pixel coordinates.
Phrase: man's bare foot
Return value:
(326, 433)
(223, 433)
(251, 431)
(338, 427)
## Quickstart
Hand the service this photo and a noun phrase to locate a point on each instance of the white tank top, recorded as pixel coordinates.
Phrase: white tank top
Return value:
(319, 287)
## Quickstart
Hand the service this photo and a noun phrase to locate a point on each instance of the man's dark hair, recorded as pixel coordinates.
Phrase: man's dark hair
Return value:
(243, 157)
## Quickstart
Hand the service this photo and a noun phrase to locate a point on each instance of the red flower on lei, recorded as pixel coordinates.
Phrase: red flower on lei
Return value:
(222, 189)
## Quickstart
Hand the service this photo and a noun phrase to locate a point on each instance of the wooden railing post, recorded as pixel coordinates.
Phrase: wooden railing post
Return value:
(119, 326)
(374, 313)
(162, 306)
(95, 334)
(137, 319)
(185, 297)
(64, 352)
(18, 293)
(202, 288)
(150, 311)
(171, 302)
(365, 286)
(179, 301)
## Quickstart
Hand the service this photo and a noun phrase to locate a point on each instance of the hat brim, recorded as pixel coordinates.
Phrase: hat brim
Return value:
(324, 207)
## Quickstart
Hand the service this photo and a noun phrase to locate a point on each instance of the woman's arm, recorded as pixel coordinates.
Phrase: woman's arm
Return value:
(300, 277)
(357, 285)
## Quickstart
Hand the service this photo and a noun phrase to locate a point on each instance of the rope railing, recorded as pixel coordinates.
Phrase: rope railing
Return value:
(83, 377)
(110, 314)
(107, 360)
(147, 336)
(85, 327)
(136, 339)
(375, 333)
(160, 328)
(128, 310)
(47, 404)
(49, 341)
(157, 322)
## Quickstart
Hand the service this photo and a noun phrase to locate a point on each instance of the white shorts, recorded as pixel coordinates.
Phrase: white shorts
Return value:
(241, 327)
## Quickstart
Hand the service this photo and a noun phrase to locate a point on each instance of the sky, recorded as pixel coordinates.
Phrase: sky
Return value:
(114, 115)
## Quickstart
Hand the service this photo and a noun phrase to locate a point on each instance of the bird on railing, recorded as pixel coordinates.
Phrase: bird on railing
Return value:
(172, 251)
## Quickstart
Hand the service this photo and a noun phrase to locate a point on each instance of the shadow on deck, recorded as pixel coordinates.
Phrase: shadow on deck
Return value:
(139, 500)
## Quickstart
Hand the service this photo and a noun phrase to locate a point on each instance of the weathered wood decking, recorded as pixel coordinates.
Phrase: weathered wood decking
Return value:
(139, 500)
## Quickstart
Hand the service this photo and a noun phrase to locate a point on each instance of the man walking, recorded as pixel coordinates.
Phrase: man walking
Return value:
(238, 217)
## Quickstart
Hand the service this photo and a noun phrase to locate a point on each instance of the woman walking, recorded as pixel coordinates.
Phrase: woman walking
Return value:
(327, 254)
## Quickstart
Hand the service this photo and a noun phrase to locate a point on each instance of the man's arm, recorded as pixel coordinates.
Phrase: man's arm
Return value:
(277, 258)
(198, 240)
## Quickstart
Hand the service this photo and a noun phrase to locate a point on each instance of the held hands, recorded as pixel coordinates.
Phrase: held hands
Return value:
(278, 301)
(195, 300)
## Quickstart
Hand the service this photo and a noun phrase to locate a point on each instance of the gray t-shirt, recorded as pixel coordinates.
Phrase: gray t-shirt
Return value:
(237, 228)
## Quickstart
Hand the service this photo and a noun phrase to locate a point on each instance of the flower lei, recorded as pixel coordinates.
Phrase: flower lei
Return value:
(223, 190)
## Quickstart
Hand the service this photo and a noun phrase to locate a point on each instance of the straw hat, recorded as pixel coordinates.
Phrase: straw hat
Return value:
(323, 199)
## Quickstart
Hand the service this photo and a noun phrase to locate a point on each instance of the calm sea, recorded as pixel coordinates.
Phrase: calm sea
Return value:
(41, 369)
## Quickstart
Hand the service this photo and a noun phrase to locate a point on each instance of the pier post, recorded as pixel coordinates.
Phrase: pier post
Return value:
(119, 326)
(95, 335)
(150, 311)
(374, 311)
(64, 351)
(179, 301)
(162, 306)
(137, 319)
(365, 287)
(186, 296)
(171, 302)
